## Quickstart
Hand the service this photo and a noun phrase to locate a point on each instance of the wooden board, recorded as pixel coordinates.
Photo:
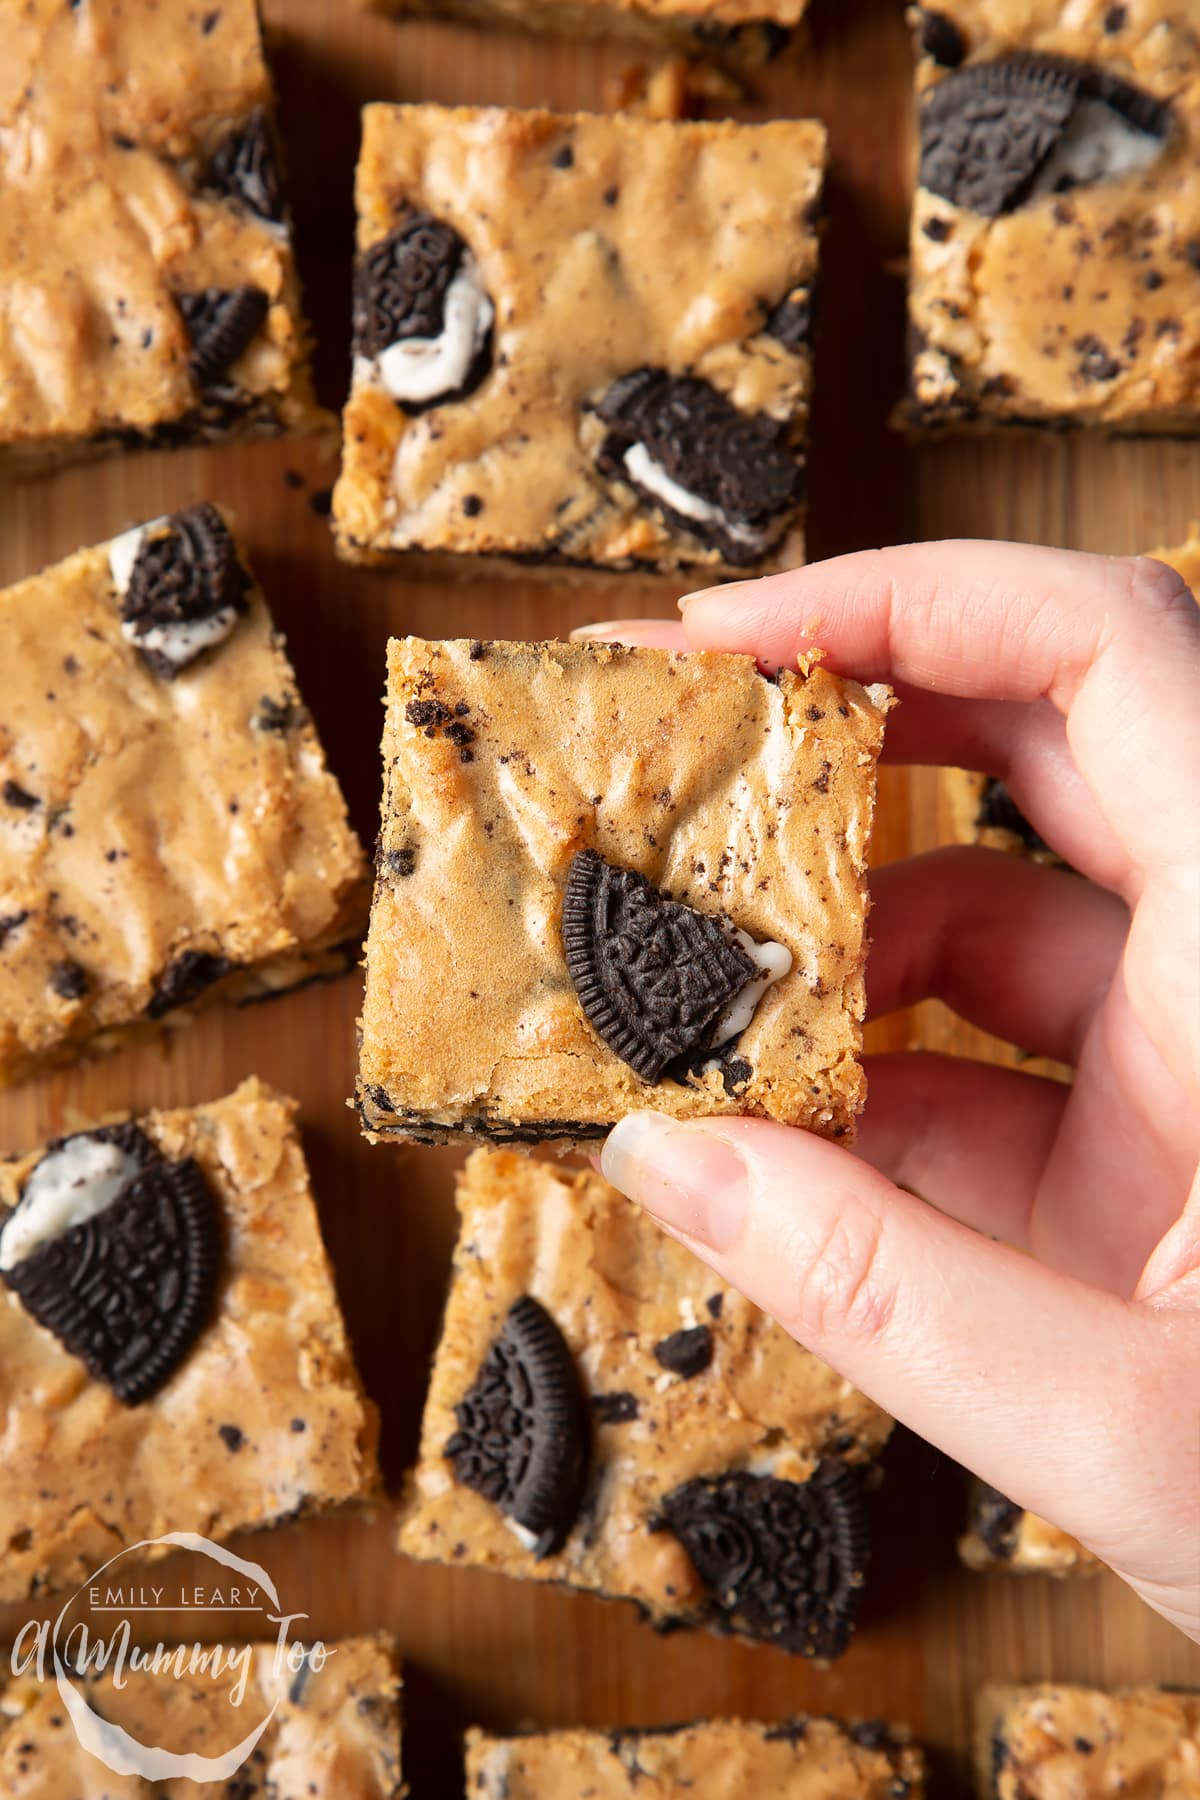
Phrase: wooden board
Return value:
(478, 1648)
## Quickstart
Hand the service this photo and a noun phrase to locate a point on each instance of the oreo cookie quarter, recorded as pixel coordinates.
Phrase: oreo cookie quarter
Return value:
(182, 587)
(244, 167)
(117, 1252)
(421, 313)
(522, 1438)
(221, 323)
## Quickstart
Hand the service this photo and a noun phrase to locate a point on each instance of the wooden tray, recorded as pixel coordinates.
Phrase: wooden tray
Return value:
(479, 1649)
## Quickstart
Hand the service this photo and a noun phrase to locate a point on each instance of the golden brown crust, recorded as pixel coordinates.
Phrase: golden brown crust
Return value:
(334, 1734)
(737, 31)
(736, 794)
(1040, 1743)
(723, 1759)
(706, 227)
(170, 817)
(111, 113)
(616, 1286)
(84, 1475)
(1080, 308)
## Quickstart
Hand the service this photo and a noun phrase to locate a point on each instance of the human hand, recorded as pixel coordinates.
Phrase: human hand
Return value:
(1069, 1377)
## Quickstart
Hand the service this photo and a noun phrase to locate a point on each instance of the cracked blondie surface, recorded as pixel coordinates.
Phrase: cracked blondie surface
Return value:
(169, 832)
(262, 1418)
(1055, 246)
(1039, 1743)
(612, 878)
(147, 288)
(713, 1469)
(581, 339)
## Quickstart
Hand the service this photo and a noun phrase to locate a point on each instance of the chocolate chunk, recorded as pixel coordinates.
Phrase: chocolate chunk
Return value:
(1116, 19)
(10, 922)
(998, 811)
(619, 1408)
(220, 323)
(129, 1290)
(400, 862)
(232, 1436)
(941, 39)
(21, 798)
(245, 168)
(184, 980)
(69, 980)
(182, 575)
(995, 1520)
(988, 129)
(653, 976)
(737, 463)
(522, 1437)
(784, 1560)
(686, 1353)
(790, 323)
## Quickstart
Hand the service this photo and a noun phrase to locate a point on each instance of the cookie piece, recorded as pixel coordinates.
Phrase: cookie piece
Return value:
(245, 167)
(221, 323)
(726, 1468)
(422, 321)
(182, 587)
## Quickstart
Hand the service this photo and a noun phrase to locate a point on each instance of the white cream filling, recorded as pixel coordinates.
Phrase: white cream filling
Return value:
(182, 639)
(68, 1187)
(527, 1539)
(774, 962)
(422, 368)
(651, 475)
(1097, 145)
(123, 553)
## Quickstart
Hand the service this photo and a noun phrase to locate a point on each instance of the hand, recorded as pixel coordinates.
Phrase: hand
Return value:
(1069, 1377)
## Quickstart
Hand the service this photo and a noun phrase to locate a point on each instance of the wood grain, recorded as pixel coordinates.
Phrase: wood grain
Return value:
(477, 1648)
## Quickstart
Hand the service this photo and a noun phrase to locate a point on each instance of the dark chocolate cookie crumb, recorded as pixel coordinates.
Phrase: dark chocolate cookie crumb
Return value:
(941, 39)
(714, 1305)
(69, 980)
(564, 157)
(653, 976)
(245, 168)
(686, 1353)
(275, 715)
(130, 1290)
(186, 573)
(1096, 362)
(220, 324)
(618, 1408)
(9, 923)
(1116, 19)
(784, 1560)
(321, 502)
(995, 1520)
(522, 1437)
(790, 323)
(400, 862)
(185, 979)
(232, 1436)
(21, 798)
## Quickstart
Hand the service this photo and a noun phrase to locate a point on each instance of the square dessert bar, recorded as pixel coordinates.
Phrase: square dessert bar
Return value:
(605, 1413)
(1055, 249)
(725, 1759)
(581, 339)
(168, 828)
(1040, 1743)
(172, 1357)
(1001, 1536)
(334, 1732)
(147, 288)
(610, 879)
(723, 29)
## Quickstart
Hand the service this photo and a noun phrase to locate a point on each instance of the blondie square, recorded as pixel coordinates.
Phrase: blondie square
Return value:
(172, 1357)
(605, 1413)
(725, 1759)
(581, 339)
(1001, 1536)
(612, 878)
(1055, 251)
(1039, 1743)
(334, 1733)
(169, 831)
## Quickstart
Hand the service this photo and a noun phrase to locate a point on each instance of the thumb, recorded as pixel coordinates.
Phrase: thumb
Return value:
(1052, 1391)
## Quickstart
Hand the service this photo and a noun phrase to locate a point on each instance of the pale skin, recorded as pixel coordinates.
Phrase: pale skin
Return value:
(1036, 1313)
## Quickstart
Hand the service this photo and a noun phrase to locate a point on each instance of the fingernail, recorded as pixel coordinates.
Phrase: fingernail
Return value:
(727, 587)
(683, 1176)
(606, 631)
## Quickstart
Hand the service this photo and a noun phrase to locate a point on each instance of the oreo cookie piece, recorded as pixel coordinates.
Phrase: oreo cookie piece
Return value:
(995, 1520)
(996, 134)
(221, 322)
(790, 323)
(998, 811)
(784, 1560)
(941, 39)
(185, 979)
(421, 313)
(182, 587)
(245, 167)
(654, 977)
(117, 1252)
(686, 1353)
(522, 1438)
(723, 475)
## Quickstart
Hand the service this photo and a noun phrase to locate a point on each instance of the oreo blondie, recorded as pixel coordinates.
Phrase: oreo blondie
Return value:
(169, 832)
(725, 1759)
(581, 339)
(1000, 1535)
(334, 1730)
(1055, 248)
(1039, 1743)
(610, 878)
(605, 1413)
(148, 293)
(744, 34)
(172, 1357)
